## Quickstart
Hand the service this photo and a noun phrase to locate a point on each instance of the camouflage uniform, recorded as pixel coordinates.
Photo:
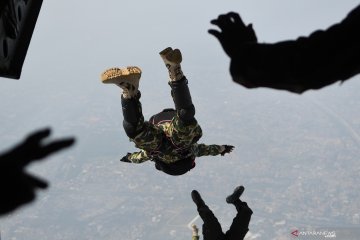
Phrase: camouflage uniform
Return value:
(169, 141)
(172, 142)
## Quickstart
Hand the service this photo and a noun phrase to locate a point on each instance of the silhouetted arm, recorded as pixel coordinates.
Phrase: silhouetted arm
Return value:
(17, 186)
(312, 62)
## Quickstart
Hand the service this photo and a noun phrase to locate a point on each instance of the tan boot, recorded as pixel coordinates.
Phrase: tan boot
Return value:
(195, 230)
(126, 78)
(172, 59)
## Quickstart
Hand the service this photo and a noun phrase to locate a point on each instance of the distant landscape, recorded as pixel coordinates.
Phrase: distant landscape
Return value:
(296, 160)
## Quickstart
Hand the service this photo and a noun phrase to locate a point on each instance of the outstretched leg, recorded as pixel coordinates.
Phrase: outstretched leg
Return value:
(240, 224)
(211, 228)
(145, 135)
(184, 129)
(179, 85)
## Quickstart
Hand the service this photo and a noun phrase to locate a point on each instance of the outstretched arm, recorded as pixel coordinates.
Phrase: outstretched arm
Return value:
(312, 62)
(213, 150)
(136, 157)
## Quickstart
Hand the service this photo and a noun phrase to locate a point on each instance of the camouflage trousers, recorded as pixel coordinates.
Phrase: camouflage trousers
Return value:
(150, 136)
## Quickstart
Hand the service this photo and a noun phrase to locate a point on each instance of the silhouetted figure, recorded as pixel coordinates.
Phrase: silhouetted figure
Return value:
(170, 137)
(17, 186)
(212, 229)
(324, 57)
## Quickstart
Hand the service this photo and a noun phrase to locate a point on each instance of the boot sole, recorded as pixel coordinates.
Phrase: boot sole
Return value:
(174, 57)
(170, 55)
(121, 75)
(165, 51)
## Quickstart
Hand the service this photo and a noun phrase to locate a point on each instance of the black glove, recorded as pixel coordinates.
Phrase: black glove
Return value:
(233, 32)
(228, 149)
(125, 158)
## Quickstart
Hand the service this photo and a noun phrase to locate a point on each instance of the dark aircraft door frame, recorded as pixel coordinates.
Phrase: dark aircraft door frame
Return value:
(17, 22)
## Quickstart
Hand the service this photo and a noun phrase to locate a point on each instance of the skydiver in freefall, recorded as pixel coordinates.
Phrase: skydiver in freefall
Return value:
(323, 58)
(170, 137)
(211, 228)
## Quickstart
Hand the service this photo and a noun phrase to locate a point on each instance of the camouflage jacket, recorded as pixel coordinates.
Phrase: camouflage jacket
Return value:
(169, 154)
(170, 133)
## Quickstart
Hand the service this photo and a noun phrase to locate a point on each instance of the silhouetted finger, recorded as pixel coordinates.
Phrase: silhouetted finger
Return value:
(241, 190)
(36, 182)
(223, 21)
(215, 33)
(57, 146)
(39, 135)
(214, 22)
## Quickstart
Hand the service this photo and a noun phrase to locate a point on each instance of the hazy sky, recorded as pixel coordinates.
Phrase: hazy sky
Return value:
(74, 41)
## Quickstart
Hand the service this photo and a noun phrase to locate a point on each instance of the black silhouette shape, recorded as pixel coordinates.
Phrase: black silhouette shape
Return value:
(323, 58)
(9, 18)
(17, 186)
(212, 229)
(17, 22)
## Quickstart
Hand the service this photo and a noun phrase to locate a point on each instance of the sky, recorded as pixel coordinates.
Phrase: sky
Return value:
(75, 41)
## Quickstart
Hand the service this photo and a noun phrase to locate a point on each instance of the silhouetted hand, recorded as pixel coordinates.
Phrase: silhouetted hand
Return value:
(227, 149)
(125, 158)
(233, 32)
(18, 187)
